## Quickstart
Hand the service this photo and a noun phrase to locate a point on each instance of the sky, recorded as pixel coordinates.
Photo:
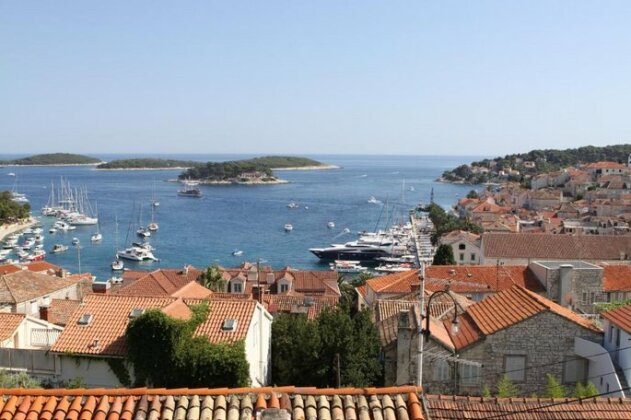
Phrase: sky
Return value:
(313, 77)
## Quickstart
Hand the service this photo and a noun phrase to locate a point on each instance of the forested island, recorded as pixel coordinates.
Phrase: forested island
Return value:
(517, 167)
(248, 171)
(52, 159)
(148, 163)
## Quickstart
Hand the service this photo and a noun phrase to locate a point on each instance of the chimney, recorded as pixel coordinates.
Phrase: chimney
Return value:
(101, 287)
(43, 312)
(270, 278)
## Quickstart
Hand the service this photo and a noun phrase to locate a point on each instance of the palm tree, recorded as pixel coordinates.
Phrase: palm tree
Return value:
(213, 279)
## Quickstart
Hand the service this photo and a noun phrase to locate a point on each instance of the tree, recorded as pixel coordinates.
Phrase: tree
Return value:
(10, 211)
(177, 358)
(506, 388)
(212, 278)
(585, 390)
(444, 256)
(295, 350)
(473, 194)
(553, 388)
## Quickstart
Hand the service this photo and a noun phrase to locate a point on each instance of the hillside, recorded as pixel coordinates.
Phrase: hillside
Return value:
(525, 165)
(235, 169)
(53, 159)
(148, 164)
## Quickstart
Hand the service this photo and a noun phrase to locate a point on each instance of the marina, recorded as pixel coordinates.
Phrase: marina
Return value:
(231, 217)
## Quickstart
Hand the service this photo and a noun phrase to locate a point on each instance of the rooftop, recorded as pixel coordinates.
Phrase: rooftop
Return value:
(161, 282)
(25, 285)
(555, 265)
(8, 324)
(620, 317)
(480, 278)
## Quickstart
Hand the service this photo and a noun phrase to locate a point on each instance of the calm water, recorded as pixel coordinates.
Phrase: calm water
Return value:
(250, 218)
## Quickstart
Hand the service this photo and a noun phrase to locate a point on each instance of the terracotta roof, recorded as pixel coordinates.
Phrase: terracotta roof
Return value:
(386, 308)
(460, 235)
(24, 285)
(361, 290)
(193, 290)
(37, 266)
(480, 278)
(442, 407)
(394, 283)
(161, 282)
(60, 310)
(312, 306)
(556, 247)
(604, 165)
(110, 317)
(620, 316)
(9, 323)
(395, 403)
(616, 278)
(505, 309)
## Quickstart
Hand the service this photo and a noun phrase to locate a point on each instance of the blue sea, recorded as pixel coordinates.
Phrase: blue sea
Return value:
(206, 230)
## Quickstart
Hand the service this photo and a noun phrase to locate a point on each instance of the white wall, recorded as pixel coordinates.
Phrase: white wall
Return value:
(620, 354)
(23, 333)
(258, 346)
(601, 371)
(95, 373)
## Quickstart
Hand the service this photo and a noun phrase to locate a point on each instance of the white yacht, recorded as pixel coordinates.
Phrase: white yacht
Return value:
(347, 266)
(96, 237)
(117, 264)
(330, 225)
(237, 252)
(373, 200)
(57, 248)
(136, 254)
(288, 227)
(292, 205)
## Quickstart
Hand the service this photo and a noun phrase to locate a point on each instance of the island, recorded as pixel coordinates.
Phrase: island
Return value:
(148, 164)
(52, 159)
(521, 167)
(253, 171)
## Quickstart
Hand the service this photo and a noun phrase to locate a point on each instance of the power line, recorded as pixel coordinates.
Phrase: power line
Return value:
(570, 401)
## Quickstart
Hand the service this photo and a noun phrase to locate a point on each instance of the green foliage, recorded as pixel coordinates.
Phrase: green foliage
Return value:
(213, 279)
(177, 359)
(445, 222)
(506, 388)
(10, 211)
(18, 380)
(486, 391)
(147, 163)
(473, 194)
(306, 352)
(223, 171)
(53, 159)
(609, 306)
(76, 383)
(348, 300)
(444, 256)
(120, 370)
(553, 388)
(585, 390)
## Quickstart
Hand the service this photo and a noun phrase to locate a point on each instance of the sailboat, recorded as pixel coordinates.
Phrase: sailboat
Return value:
(154, 201)
(96, 236)
(153, 226)
(117, 264)
(142, 231)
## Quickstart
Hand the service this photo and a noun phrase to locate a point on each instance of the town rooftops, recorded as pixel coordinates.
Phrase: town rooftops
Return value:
(460, 235)
(36, 266)
(161, 282)
(620, 317)
(604, 165)
(617, 278)
(557, 247)
(60, 310)
(396, 403)
(480, 278)
(394, 283)
(8, 323)
(505, 309)
(25, 285)
(98, 325)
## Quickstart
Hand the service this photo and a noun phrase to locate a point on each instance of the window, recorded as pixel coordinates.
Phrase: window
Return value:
(472, 257)
(515, 367)
(469, 373)
(284, 287)
(617, 337)
(34, 307)
(462, 256)
(610, 333)
(441, 370)
(574, 370)
(462, 246)
(237, 287)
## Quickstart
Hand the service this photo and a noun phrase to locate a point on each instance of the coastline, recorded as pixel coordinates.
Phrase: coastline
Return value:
(15, 165)
(172, 168)
(307, 168)
(6, 230)
(233, 182)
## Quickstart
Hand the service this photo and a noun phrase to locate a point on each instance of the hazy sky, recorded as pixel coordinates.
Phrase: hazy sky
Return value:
(396, 77)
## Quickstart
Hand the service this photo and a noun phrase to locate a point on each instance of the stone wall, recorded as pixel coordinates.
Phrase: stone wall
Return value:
(546, 340)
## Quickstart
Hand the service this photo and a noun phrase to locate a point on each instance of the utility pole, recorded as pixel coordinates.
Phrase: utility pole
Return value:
(419, 362)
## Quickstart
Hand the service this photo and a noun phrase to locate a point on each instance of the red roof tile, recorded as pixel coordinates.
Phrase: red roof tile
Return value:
(9, 323)
(620, 317)
(60, 310)
(480, 278)
(617, 278)
(394, 283)
(25, 285)
(161, 282)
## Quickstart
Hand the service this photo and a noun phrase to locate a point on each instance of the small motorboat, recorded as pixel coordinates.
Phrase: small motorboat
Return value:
(96, 237)
(52, 230)
(373, 200)
(347, 266)
(288, 227)
(117, 265)
(237, 252)
(292, 205)
(38, 255)
(153, 227)
(76, 241)
(330, 225)
(58, 248)
(155, 204)
(346, 230)
(143, 232)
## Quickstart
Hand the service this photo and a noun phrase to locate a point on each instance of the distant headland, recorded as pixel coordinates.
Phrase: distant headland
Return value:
(147, 164)
(52, 159)
(521, 167)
